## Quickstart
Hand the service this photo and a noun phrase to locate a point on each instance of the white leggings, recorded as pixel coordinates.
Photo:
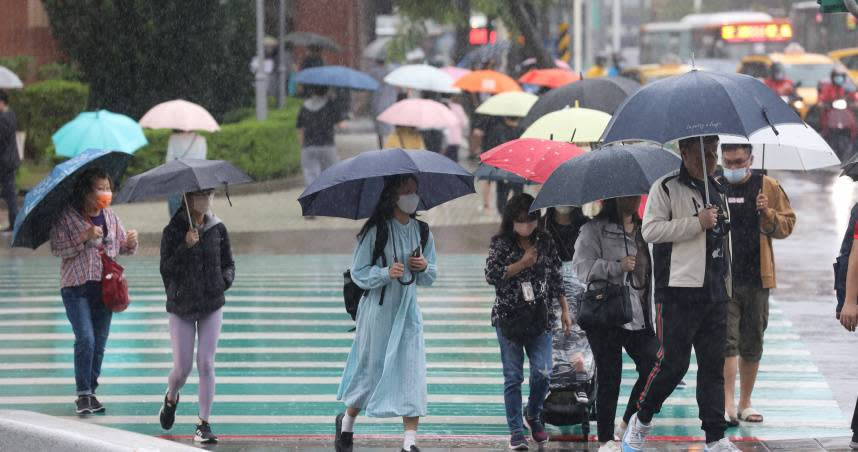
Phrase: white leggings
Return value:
(182, 335)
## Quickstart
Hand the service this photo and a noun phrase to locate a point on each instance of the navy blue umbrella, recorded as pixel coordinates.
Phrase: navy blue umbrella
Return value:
(338, 76)
(698, 103)
(352, 188)
(53, 194)
(604, 173)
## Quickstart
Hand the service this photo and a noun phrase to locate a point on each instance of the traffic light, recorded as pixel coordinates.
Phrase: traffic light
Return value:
(564, 41)
(832, 6)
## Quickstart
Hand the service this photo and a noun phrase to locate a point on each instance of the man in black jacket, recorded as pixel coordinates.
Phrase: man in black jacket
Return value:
(9, 159)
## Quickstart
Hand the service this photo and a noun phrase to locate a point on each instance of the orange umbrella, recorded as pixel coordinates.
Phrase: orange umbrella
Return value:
(487, 82)
(551, 78)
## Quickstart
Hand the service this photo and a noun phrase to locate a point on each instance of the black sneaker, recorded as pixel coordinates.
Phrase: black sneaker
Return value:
(95, 405)
(343, 441)
(413, 449)
(168, 413)
(82, 405)
(204, 433)
(854, 443)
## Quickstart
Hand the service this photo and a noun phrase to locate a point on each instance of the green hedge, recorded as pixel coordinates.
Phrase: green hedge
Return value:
(42, 108)
(264, 149)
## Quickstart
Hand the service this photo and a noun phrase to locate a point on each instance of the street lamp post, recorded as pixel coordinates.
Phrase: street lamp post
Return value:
(281, 54)
(261, 95)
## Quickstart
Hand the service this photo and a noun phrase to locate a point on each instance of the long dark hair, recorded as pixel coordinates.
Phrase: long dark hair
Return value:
(516, 206)
(83, 185)
(611, 212)
(386, 203)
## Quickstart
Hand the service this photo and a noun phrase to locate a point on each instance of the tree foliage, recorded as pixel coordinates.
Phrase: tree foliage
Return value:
(137, 53)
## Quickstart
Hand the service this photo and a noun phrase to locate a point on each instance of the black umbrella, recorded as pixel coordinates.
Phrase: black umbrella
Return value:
(603, 94)
(850, 168)
(488, 172)
(181, 176)
(609, 172)
(351, 188)
(307, 39)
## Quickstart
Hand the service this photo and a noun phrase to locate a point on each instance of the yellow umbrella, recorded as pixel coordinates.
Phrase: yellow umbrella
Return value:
(576, 125)
(511, 103)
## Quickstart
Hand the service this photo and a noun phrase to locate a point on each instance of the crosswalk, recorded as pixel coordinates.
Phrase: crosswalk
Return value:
(285, 339)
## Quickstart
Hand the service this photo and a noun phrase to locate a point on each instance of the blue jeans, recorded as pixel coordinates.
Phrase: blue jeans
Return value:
(538, 352)
(90, 320)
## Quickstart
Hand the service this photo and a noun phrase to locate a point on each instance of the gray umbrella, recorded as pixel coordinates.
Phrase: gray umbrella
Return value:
(307, 39)
(604, 173)
(179, 177)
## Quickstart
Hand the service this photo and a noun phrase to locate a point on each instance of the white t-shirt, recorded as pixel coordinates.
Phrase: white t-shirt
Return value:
(186, 145)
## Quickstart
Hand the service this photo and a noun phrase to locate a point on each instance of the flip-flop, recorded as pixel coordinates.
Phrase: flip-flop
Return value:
(731, 421)
(751, 415)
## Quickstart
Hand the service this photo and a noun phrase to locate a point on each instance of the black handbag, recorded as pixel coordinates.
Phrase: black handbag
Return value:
(523, 322)
(606, 305)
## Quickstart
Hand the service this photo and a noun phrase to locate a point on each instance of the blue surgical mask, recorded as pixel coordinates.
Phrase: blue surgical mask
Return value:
(839, 79)
(736, 175)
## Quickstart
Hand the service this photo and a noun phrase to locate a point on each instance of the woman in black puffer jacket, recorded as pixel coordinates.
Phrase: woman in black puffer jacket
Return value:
(197, 268)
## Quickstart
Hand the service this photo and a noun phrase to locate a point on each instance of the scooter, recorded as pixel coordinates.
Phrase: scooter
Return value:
(840, 126)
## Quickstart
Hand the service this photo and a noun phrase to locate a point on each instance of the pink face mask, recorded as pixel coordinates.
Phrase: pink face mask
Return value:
(524, 229)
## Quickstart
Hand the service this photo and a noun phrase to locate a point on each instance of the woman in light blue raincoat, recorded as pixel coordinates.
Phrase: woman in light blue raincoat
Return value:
(385, 374)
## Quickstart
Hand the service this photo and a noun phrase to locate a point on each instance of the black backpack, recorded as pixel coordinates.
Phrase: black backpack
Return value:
(841, 264)
(352, 294)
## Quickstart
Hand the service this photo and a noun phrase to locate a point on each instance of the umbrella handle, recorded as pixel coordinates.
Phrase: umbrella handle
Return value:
(188, 210)
(705, 175)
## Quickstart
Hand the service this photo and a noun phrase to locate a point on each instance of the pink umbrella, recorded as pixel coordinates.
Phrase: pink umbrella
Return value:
(419, 113)
(455, 72)
(180, 115)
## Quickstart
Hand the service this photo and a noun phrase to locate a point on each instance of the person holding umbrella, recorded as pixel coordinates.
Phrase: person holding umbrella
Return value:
(316, 121)
(9, 159)
(691, 291)
(759, 211)
(197, 268)
(385, 374)
(611, 248)
(85, 229)
(525, 269)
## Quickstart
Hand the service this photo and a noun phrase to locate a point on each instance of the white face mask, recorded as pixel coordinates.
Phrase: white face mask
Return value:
(736, 175)
(563, 210)
(408, 203)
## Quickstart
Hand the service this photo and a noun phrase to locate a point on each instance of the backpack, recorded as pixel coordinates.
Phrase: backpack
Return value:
(352, 293)
(841, 263)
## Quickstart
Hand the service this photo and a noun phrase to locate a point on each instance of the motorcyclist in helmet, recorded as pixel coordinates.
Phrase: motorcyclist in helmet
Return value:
(778, 81)
(838, 88)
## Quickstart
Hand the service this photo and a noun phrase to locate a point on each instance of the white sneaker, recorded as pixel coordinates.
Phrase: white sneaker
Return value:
(723, 445)
(635, 435)
(611, 446)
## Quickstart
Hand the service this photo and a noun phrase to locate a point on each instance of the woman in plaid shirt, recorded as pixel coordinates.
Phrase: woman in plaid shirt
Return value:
(84, 228)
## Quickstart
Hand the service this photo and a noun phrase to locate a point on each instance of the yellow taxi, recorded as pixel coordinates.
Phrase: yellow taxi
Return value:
(806, 70)
(848, 58)
(647, 73)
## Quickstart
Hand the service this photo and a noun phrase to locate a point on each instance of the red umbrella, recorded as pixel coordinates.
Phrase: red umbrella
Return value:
(531, 158)
(551, 78)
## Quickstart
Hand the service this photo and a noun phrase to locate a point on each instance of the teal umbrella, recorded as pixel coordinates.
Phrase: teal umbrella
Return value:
(99, 130)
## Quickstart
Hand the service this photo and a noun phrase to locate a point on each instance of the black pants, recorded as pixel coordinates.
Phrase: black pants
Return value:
(855, 419)
(680, 325)
(9, 193)
(503, 189)
(607, 345)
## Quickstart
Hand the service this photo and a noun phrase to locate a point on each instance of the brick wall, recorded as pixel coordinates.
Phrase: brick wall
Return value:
(25, 30)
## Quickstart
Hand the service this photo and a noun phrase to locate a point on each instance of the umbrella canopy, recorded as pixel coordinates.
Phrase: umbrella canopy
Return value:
(578, 125)
(351, 188)
(9, 80)
(603, 94)
(609, 172)
(181, 115)
(99, 130)
(487, 172)
(377, 49)
(551, 78)
(698, 103)
(307, 39)
(181, 176)
(850, 168)
(421, 77)
(487, 82)
(484, 54)
(512, 103)
(530, 158)
(795, 147)
(53, 194)
(455, 72)
(420, 113)
(338, 76)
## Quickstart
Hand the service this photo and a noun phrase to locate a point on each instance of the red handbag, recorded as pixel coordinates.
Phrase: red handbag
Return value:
(114, 286)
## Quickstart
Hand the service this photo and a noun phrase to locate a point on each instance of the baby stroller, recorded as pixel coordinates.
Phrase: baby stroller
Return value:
(571, 400)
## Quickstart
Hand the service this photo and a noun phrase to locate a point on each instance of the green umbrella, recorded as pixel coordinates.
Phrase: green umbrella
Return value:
(576, 125)
(99, 130)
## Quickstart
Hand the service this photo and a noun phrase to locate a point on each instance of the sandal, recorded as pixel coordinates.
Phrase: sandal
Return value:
(751, 415)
